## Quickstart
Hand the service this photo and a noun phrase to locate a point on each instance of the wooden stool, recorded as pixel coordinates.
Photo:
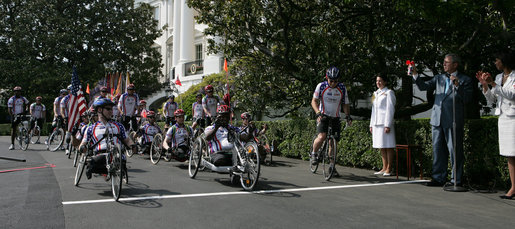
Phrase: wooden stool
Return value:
(408, 149)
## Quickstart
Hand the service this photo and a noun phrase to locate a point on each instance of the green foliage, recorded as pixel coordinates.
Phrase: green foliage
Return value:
(41, 40)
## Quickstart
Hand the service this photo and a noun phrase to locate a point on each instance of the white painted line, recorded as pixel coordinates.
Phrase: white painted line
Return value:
(239, 192)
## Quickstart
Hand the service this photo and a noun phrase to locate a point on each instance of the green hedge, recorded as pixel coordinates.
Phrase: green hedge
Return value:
(483, 166)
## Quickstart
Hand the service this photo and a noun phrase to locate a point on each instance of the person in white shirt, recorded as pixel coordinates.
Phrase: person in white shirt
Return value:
(128, 107)
(503, 92)
(382, 123)
(198, 113)
(16, 105)
(37, 114)
(178, 138)
(168, 111)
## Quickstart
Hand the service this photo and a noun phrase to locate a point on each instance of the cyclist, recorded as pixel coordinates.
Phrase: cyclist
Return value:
(64, 112)
(88, 118)
(328, 99)
(57, 107)
(169, 109)
(198, 113)
(148, 131)
(37, 114)
(178, 137)
(16, 105)
(128, 106)
(142, 112)
(209, 104)
(116, 112)
(248, 130)
(220, 137)
(104, 91)
(95, 133)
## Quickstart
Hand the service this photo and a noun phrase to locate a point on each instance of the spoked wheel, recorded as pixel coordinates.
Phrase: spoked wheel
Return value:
(24, 139)
(156, 148)
(250, 176)
(55, 141)
(313, 166)
(205, 154)
(115, 172)
(35, 135)
(195, 158)
(80, 168)
(132, 136)
(75, 156)
(329, 159)
(70, 149)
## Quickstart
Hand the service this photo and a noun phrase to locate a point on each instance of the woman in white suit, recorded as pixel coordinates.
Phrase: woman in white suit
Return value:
(503, 92)
(382, 124)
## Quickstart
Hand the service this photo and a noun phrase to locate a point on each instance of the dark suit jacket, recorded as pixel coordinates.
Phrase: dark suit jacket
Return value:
(441, 114)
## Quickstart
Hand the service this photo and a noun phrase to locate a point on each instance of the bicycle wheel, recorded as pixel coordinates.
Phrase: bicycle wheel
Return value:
(115, 171)
(155, 149)
(35, 135)
(132, 136)
(195, 158)
(205, 154)
(313, 166)
(75, 156)
(70, 148)
(55, 141)
(250, 176)
(329, 159)
(80, 168)
(24, 138)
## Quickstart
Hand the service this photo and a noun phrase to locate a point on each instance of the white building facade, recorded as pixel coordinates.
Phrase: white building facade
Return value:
(183, 46)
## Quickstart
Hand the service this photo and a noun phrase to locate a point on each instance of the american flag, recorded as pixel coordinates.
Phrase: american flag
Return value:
(77, 103)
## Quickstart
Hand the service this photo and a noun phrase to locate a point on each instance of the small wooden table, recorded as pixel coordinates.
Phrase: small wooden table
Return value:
(408, 149)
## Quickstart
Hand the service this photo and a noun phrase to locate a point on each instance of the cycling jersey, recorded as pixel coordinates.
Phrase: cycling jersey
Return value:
(37, 110)
(149, 131)
(210, 104)
(57, 104)
(83, 127)
(64, 104)
(331, 99)
(198, 111)
(17, 103)
(249, 130)
(220, 141)
(169, 108)
(179, 135)
(128, 104)
(96, 131)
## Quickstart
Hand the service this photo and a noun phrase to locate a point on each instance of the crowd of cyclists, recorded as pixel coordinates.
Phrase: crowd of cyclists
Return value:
(211, 119)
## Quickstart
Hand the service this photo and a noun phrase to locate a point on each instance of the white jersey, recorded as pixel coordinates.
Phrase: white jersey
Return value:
(37, 110)
(169, 108)
(116, 112)
(96, 132)
(179, 135)
(149, 131)
(331, 99)
(57, 104)
(220, 142)
(128, 104)
(17, 104)
(198, 110)
(64, 104)
(210, 104)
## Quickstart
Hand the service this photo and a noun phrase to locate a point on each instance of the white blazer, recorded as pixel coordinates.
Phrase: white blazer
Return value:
(503, 95)
(383, 108)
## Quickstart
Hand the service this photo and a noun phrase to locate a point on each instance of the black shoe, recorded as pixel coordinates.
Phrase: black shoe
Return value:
(434, 183)
(448, 184)
(88, 174)
(505, 197)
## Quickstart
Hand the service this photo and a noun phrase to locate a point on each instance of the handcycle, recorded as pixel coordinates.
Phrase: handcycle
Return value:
(154, 150)
(325, 155)
(116, 172)
(247, 156)
(35, 133)
(22, 136)
(56, 138)
(169, 155)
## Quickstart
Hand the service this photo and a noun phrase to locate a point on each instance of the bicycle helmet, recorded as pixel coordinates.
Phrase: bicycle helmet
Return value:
(223, 109)
(333, 73)
(102, 103)
(142, 101)
(179, 112)
(208, 88)
(39, 98)
(246, 115)
(17, 88)
(104, 89)
(151, 114)
(131, 87)
(63, 91)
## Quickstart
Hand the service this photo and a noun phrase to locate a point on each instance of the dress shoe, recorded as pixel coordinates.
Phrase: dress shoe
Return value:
(507, 197)
(434, 183)
(379, 173)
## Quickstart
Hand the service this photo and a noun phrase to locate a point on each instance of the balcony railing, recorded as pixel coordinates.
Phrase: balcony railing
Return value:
(194, 68)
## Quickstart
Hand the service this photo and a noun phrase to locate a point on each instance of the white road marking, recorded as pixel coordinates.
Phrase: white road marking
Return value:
(239, 192)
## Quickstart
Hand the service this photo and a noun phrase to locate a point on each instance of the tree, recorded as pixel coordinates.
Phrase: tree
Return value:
(40, 41)
(281, 48)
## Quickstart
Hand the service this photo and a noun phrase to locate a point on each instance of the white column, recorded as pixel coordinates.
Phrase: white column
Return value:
(176, 33)
(212, 61)
(187, 38)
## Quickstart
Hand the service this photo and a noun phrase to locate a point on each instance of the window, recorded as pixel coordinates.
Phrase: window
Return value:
(156, 15)
(198, 52)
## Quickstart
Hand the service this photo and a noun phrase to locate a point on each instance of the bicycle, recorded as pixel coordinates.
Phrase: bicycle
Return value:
(156, 148)
(23, 137)
(35, 133)
(56, 138)
(116, 172)
(325, 155)
(247, 156)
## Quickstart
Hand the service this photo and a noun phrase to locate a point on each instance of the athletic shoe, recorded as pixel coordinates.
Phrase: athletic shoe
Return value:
(11, 147)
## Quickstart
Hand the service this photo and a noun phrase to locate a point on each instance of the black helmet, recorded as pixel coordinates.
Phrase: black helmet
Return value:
(333, 73)
(102, 103)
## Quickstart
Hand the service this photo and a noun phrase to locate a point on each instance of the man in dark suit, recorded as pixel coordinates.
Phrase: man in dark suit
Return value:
(442, 118)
